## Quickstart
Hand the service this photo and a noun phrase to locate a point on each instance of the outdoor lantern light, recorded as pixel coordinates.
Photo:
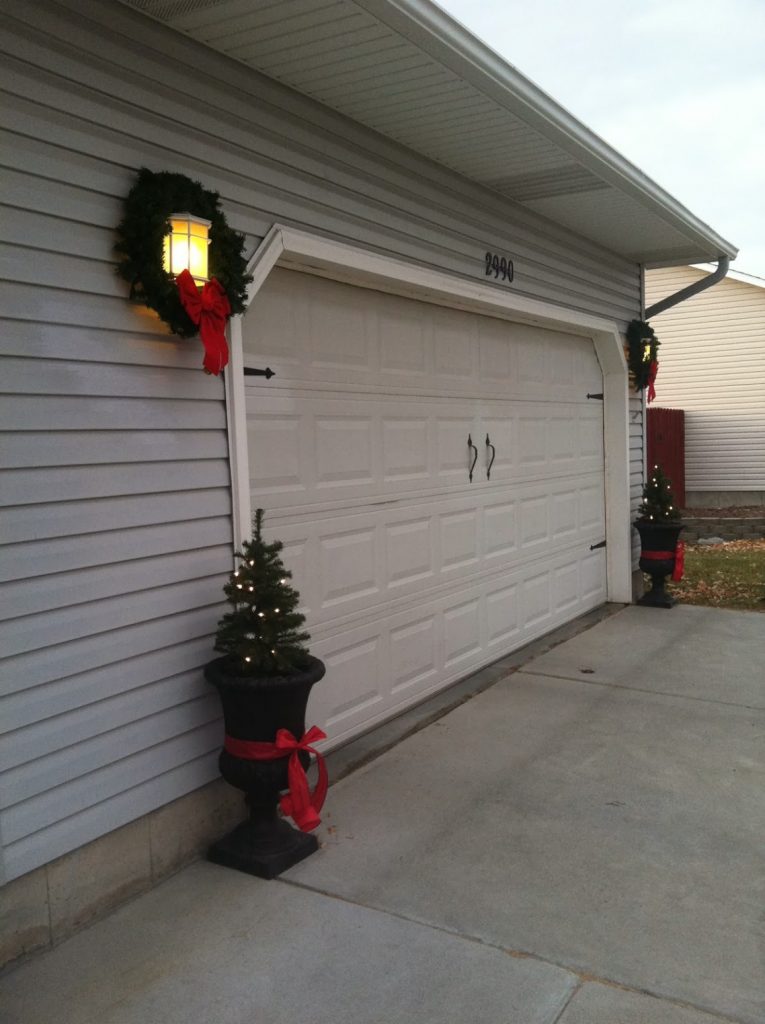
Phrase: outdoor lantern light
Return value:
(186, 246)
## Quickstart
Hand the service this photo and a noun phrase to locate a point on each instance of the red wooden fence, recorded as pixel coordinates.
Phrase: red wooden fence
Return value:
(666, 447)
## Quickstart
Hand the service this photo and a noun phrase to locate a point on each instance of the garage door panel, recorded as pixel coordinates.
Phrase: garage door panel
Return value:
(536, 607)
(405, 341)
(592, 573)
(532, 441)
(406, 449)
(277, 462)
(379, 669)
(592, 509)
(343, 450)
(590, 433)
(565, 514)
(298, 558)
(339, 334)
(274, 330)
(562, 441)
(502, 616)
(500, 427)
(532, 358)
(459, 540)
(455, 350)
(498, 361)
(565, 588)
(321, 449)
(500, 529)
(534, 522)
(348, 565)
(565, 365)
(462, 632)
(410, 553)
(413, 655)
(309, 329)
(355, 688)
(453, 456)
(410, 575)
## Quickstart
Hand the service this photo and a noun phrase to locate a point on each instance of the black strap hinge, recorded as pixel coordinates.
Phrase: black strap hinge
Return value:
(594, 547)
(598, 395)
(250, 371)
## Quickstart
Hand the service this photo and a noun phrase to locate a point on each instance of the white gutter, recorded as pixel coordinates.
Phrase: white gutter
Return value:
(435, 32)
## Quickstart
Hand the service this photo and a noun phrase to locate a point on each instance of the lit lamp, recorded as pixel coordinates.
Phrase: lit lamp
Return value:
(647, 351)
(186, 246)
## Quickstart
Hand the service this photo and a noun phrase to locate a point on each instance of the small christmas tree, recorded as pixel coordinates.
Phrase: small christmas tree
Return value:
(262, 634)
(658, 502)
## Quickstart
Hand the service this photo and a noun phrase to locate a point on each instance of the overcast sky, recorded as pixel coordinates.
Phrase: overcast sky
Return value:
(676, 86)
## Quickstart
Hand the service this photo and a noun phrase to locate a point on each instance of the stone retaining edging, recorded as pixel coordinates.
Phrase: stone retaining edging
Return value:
(728, 529)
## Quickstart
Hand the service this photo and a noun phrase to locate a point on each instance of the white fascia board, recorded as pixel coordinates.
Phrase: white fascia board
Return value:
(431, 29)
(300, 250)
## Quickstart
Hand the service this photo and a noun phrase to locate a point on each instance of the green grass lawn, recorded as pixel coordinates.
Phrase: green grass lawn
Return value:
(730, 575)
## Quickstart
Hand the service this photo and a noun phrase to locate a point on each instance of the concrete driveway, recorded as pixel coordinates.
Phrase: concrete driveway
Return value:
(581, 843)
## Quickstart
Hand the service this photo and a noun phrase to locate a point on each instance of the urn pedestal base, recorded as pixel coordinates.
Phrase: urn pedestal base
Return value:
(657, 596)
(263, 848)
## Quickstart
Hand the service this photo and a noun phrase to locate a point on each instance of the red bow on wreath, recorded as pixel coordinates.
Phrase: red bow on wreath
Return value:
(299, 803)
(209, 308)
(652, 371)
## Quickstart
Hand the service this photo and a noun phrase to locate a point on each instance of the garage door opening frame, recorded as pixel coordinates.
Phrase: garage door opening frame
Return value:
(300, 250)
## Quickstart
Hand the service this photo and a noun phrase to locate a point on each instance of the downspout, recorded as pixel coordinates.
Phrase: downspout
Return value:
(692, 289)
(723, 263)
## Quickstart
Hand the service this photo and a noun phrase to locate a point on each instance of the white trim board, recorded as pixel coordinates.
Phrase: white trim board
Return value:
(300, 250)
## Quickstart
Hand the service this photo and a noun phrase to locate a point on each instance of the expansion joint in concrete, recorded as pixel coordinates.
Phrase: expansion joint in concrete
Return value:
(582, 977)
(622, 687)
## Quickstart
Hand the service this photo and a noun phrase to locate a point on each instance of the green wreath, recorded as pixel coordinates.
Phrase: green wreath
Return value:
(148, 206)
(642, 351)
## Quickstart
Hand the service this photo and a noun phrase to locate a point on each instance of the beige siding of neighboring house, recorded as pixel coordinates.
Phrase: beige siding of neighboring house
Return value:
(712, 365)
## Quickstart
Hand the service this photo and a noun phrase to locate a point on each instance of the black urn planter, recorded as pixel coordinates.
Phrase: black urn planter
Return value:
(657, 539)
(254, 709)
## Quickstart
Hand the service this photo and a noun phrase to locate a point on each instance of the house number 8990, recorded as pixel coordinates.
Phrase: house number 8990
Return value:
(499, 266)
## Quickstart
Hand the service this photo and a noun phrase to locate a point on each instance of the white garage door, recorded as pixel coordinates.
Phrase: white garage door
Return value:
(411, 575)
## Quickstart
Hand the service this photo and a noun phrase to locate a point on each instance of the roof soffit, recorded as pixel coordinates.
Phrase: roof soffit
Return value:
(405, 69)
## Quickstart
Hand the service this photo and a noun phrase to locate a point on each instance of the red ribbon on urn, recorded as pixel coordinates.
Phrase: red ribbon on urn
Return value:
(299, 803)
(665, 556)
(677, 572)
(209, 308)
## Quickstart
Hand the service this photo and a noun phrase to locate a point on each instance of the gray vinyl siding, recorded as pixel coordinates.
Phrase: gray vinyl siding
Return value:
(116, 498)
(712, 365)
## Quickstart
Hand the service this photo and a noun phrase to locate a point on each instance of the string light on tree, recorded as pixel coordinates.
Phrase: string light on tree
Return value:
(658, 502)
(260, 587)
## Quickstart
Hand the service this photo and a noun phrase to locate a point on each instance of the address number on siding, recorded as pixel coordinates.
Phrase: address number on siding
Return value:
(499, 267)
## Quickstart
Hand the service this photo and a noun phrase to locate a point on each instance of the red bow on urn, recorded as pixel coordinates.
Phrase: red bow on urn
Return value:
(299, 803)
